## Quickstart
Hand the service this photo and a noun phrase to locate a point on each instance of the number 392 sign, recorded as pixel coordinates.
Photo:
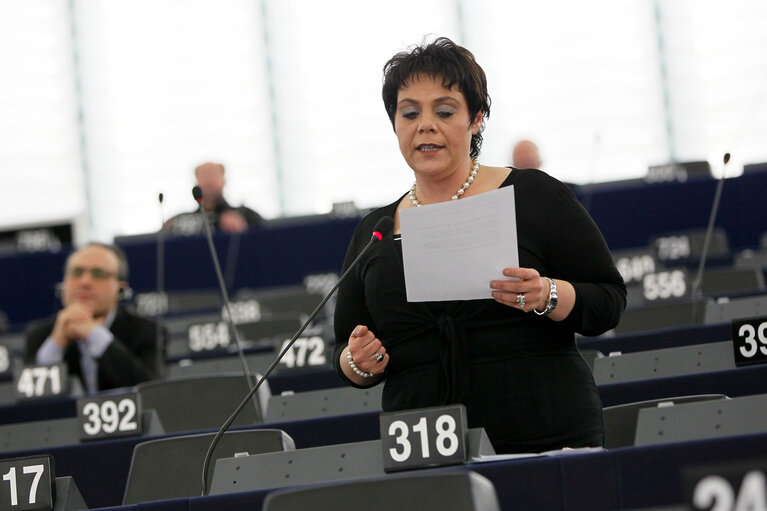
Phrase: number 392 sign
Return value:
(424, 437)
(109, 416)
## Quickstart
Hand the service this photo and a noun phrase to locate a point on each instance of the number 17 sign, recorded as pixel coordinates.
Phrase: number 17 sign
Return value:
(28, 483)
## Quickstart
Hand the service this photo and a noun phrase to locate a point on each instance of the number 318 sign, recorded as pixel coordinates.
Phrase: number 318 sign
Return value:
(425, 437)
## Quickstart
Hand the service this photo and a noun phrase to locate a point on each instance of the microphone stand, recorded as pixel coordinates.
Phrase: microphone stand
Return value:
(159, 339)
(697, 285)
(384, 225)
(227, 304)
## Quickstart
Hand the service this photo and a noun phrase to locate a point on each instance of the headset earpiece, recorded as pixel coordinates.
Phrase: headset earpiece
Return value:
(125, 293)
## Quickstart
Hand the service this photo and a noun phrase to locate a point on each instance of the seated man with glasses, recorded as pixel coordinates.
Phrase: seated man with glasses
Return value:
(101, 341)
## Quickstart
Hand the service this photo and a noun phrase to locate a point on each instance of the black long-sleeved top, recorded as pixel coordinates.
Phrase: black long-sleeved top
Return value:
(519, 375)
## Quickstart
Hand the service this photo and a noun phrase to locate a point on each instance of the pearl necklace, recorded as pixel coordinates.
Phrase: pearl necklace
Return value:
(458, 194)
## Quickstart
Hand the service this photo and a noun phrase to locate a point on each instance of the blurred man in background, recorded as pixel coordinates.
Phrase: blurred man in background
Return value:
(525, 155)
(101, 341)
(222, 216)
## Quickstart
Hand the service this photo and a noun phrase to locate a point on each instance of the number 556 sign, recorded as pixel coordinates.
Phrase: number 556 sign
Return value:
(426, 437)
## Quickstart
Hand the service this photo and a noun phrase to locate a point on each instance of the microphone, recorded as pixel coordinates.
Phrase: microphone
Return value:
(698, 282)
(160, 358)
(197, 194)
(381, 229)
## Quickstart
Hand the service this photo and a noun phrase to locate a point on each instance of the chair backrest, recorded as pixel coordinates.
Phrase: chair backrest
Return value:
(202, 402)
(706, 419)
(219, 365)
(323, 403)
(751, 259)
(285, 300)
(47, 433)
(654, 317)
(68, 496)
(621, 420)
(314, 465)
(732, 281)
(589, 355)
(734, 308)
(39, 434)
(645, 365)
(13, 341)
(464, 490)
(172, 467)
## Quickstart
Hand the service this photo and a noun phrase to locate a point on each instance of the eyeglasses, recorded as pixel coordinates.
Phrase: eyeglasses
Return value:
(96, 273)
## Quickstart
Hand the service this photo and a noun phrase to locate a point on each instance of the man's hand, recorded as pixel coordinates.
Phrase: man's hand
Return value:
(232, 221)
(73, 322)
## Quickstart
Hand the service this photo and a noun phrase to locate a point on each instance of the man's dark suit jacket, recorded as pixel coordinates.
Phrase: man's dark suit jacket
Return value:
(129, 359)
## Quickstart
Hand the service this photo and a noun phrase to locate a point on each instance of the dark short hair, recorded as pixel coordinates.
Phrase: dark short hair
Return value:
(122, 260)
(444, 59)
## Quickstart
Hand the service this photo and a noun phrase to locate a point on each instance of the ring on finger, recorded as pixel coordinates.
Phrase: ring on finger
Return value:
(521, 300)
(379, 357)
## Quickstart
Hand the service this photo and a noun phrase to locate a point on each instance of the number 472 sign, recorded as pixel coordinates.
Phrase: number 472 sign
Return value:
(425, 437)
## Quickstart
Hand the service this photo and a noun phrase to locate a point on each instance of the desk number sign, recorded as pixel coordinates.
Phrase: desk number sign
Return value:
(749, 340)
(28, 483)
(208, 336)
(5, 360)
(109, 416)
(305, 352)
(424, 437)
(34, 382)
(728, 487)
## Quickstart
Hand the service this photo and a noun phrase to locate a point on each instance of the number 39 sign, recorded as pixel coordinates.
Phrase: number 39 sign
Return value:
(425, 437)
(749, 340)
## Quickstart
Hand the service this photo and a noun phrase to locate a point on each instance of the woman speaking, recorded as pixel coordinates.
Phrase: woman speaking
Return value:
(511, 360)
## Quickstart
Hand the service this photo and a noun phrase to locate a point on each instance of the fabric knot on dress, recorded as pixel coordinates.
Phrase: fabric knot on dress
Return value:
(453, 359)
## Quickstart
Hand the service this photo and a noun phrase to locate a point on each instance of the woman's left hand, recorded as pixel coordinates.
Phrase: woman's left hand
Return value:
(531, 291)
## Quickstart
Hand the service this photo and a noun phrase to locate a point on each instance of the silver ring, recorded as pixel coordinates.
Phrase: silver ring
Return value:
(379, 357)
(521, 300)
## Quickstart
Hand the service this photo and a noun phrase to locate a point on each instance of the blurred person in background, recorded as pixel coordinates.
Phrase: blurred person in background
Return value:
(525, 155)
(102, 342)
(222, 216)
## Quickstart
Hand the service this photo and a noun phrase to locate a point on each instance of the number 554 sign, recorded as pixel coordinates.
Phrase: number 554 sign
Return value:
(425, 437)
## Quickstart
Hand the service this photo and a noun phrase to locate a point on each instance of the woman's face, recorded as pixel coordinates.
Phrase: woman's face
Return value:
(433, 127)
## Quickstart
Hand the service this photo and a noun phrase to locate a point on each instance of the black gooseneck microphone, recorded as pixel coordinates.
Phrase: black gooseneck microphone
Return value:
(697, 285)
(381, 229)
(160, 353)
(197, 194)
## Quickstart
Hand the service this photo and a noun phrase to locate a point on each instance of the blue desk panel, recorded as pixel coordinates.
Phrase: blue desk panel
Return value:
(628, 478)
(282, 252)
(100, 468)
(93, 465)
(658, 339)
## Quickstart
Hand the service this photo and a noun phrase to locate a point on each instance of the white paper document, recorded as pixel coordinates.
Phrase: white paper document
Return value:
(452, 250)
